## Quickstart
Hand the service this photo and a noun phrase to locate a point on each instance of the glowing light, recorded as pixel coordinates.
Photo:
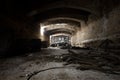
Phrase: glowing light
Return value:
(42, 31)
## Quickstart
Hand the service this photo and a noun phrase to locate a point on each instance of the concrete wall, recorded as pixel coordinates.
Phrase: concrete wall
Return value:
(97, 29)
(17, 37)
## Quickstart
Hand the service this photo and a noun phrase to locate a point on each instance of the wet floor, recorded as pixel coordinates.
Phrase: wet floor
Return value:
(19, 68)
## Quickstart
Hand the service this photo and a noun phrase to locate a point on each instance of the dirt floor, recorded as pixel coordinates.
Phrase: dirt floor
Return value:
(21, 67)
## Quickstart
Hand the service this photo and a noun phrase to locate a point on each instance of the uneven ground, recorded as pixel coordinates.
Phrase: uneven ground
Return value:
(19, 68)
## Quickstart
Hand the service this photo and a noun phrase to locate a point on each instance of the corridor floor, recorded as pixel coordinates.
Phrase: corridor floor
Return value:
(19, 68)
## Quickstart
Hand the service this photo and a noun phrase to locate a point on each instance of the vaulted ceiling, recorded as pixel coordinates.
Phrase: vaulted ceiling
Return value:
(39, 10)
(42, 9)
(53, 11)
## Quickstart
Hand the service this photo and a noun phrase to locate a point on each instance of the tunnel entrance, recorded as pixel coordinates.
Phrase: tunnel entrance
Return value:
(58, 34)
(60, 41)
(80, 37)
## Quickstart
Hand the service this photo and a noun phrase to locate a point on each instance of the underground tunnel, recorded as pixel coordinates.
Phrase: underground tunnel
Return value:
(60, 40)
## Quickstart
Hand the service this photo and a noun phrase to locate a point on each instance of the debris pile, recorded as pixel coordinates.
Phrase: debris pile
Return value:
(107, 62)
(99, 60)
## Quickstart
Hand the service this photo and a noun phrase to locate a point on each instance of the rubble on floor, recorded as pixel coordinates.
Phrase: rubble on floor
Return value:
(107, 62)
(62, 64)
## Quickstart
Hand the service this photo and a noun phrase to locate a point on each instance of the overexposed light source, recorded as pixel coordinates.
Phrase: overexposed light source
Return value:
(42, 31)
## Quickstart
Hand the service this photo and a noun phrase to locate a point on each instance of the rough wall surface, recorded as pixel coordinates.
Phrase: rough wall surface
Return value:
(97, 29)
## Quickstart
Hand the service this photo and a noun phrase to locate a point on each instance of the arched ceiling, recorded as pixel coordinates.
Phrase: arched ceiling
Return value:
(62, 20)
(35, 10)
(61, 12)
(62, 15)
(60, 30)
(59, 34)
